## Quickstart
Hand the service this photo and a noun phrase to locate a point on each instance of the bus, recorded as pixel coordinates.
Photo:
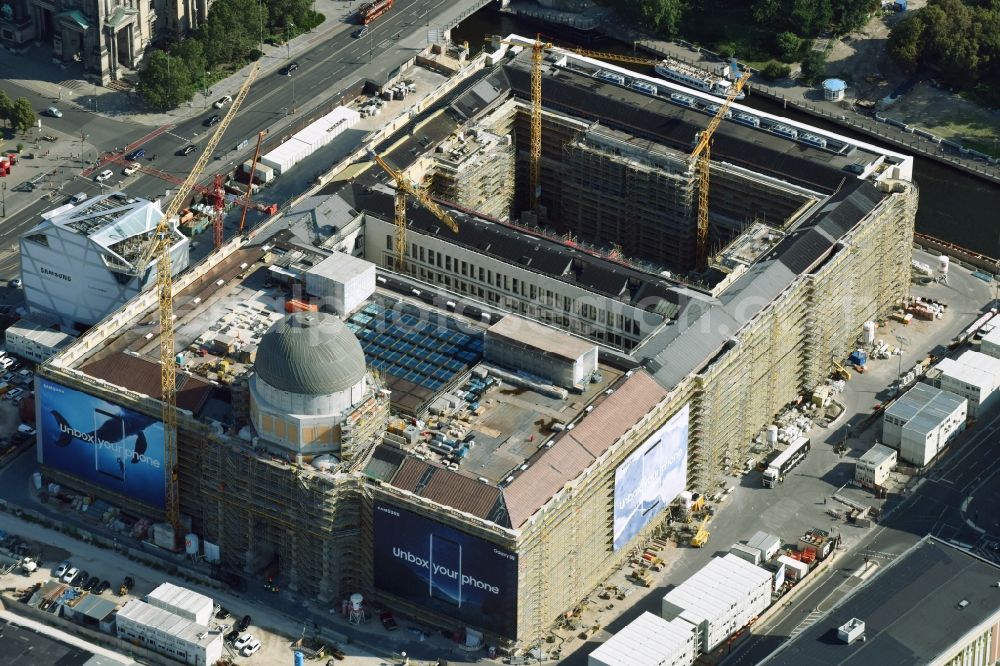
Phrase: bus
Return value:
(785, 462)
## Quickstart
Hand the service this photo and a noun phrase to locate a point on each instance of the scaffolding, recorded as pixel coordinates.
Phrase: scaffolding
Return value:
(475, 169)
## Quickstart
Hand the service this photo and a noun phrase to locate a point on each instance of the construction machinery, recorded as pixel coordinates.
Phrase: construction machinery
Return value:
(404, 187)
(538, 47)
(701, 536)
(159, 247)
(839, 371)
(253, 169)
(701, 153)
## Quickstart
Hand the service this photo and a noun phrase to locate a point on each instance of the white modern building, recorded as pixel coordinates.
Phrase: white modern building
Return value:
(873, 468)
(343, 281)
(974, 376)
(521, 344)
(79, 264)
(922, 422)
(720, 599)
(168, 633)
(36, 338)
(649, 641)
(182, 601)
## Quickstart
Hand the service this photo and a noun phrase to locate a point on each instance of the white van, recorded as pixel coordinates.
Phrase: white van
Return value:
(79, 197)
(25, 429)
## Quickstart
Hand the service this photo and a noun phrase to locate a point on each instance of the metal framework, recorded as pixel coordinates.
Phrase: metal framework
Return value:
(218, 209)
(702, 153)
(405, 187)
(160, 247)
(253, 170)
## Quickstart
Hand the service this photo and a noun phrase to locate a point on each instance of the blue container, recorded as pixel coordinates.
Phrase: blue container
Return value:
(300, 659)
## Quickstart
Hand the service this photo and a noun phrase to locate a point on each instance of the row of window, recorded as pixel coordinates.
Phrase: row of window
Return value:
(453, 266)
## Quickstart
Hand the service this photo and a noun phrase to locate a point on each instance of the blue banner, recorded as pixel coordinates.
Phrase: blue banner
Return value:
(102, 443)
(650, 478)
(444, 570)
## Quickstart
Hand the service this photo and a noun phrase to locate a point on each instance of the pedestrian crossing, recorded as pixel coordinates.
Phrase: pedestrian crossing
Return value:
(72, 84)
(806, 623)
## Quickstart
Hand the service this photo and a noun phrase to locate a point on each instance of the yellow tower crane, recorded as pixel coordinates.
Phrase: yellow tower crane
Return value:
(538, 48)
(404, 187)
(701, 153)
(160, 248)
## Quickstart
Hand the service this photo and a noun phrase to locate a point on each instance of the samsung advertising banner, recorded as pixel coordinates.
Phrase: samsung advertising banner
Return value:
(650, 478)
(445, 570)
(102, 443)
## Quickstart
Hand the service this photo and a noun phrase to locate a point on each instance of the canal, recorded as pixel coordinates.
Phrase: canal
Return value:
(954, 206)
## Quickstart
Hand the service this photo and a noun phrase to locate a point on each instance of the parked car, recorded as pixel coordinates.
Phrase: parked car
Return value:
(91, 583)
(222, 614)
(186, 150)
(80, 578)
(26, 429)
(242, 641)
(388, 621)
(61, 570)
(250, 648)
(79, 197)
(360, 32)
(244, 623)
(70, 574)
(53, 112)
(104, 175)
(212, 120)
(288, 69)
(103, 587)
(232, 635)
(136, 154)
(222, 101)
(15, 283)
(131, 168)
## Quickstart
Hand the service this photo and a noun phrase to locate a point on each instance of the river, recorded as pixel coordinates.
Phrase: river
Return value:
(954, 206)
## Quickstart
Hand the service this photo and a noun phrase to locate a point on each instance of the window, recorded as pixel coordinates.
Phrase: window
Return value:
(447, 262)
(430, 257)
(421, 253)
(465, 268)
(481, 273)
(388, 242)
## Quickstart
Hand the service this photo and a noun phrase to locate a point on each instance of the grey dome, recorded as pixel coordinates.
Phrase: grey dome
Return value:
(310, 353)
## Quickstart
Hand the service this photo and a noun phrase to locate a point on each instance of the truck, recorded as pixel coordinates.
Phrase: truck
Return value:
(785, 462)
(370, 11)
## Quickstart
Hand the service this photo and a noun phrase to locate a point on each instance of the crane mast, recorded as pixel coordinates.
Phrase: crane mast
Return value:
(160, 247)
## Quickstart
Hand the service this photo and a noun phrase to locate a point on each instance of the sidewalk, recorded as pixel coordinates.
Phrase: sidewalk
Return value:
(36, 70)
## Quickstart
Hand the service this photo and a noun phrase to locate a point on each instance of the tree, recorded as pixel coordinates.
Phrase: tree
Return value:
(789, 45)
(6, 106)
(765, 11)
(775, 70)
(165, 81)
(23, 116)
(814, 66)
(906, 43)
(662, 16)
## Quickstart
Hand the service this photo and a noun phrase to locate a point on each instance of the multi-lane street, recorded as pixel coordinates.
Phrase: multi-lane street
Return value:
(332, 63)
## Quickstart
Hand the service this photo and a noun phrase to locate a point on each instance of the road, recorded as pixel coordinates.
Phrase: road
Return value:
(935, 507)
(332, 64)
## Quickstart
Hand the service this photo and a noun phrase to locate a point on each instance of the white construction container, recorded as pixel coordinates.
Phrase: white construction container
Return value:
(868, 331)
(262, 172)
(794, 569)
(287, 155)
(182, 601)
(744, 552)
(767, 544)
(721, 598)
(649, 641)
(343, 281)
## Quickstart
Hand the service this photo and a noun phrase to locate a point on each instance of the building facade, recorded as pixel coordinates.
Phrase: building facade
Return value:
(108, 39)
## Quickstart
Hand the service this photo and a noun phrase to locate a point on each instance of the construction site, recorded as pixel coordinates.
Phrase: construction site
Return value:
(527, 329)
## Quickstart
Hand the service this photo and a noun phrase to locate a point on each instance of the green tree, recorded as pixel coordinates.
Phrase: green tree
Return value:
(775, 70)
(789, 45)
(811, 17)
(765, 11)
(23, 116)
(906, 42)
(814, 66)
(661, 16)
(165, 81)
(6, 106)
(232, 32)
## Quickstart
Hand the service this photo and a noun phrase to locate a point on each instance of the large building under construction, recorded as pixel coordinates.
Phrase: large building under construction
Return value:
(481, 438)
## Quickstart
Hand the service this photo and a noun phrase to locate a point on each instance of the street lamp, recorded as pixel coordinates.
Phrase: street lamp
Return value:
(3, 197)
(288, 39)
(899, 373)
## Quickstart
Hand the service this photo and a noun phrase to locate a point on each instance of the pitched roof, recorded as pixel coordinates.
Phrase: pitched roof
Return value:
(576, 449)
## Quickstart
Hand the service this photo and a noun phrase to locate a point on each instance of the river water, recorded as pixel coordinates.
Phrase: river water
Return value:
(954, 206)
